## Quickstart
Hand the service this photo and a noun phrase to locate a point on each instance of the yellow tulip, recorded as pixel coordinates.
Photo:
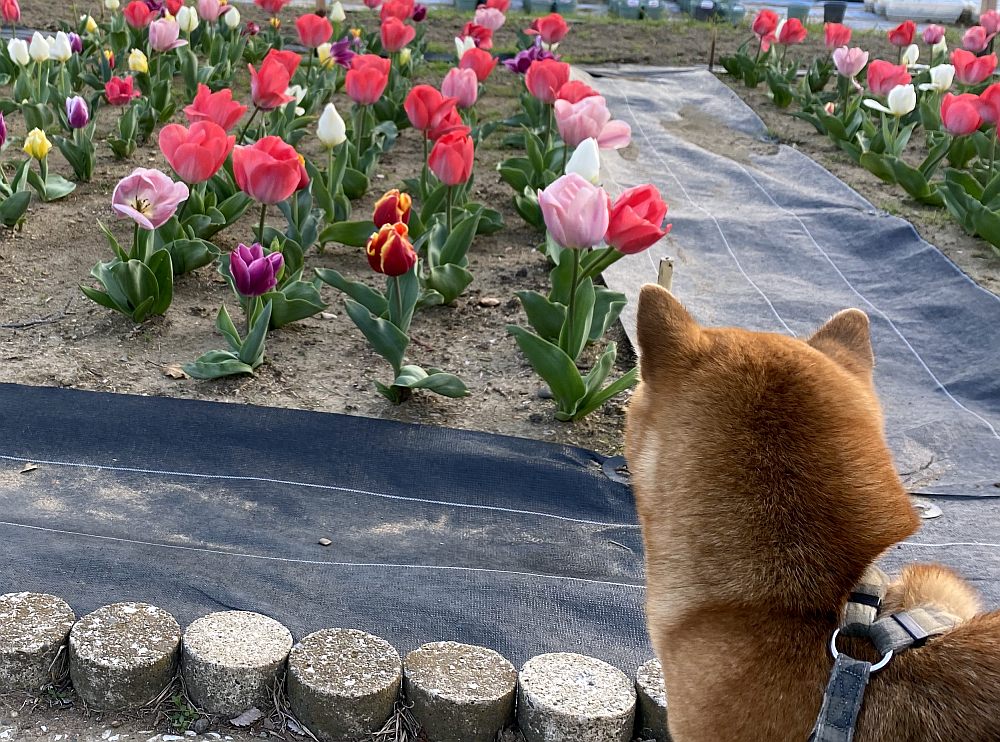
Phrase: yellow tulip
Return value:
(404, 56)
(89, 24)
(276, 22)
(37, 145)
(137, 61)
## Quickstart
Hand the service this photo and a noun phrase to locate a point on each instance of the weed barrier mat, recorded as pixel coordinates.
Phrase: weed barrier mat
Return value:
(436, 534)
(765, 238)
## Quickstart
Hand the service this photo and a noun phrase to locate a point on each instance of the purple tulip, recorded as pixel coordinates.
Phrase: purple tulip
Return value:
(77, 112)
(254, 273)
(148, 197)
(250, 29)
(341, 52)
(163, 35)
(75, 43)
(524, 59)
(3, 130)
(419, 13)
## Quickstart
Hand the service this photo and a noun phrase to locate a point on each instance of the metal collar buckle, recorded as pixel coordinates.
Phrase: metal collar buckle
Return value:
(874, 669)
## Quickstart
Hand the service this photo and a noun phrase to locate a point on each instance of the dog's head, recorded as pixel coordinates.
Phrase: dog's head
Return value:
(758, 461)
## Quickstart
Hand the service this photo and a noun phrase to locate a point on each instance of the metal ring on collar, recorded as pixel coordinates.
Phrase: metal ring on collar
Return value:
(875, 668)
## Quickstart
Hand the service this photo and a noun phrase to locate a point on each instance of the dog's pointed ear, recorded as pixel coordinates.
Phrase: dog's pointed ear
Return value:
(846, 338)
(667, 334)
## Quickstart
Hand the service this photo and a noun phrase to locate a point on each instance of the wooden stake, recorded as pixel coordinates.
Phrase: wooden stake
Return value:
(665, 276)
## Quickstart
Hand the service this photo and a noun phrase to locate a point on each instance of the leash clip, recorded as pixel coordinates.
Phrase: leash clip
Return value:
(875, 668)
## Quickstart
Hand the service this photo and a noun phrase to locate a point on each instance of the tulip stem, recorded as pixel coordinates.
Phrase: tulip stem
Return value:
(423, 173)
(548, 129)
(329, 173)
(399, 309)
(246, 126)
(260, 229)
(993, 153)
(570, 308)
(450, 193)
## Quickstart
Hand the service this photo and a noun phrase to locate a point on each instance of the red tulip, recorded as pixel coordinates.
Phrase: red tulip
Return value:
(268, 170)
(399, 9)
(426, 107)
(195, 154)
(173, 6)
(138, 15)
(313, 30)
(575, 91)
(960, 114)
(482, 62)
(552, 28)
(120, 90)
(545, 78)
(393, 207)
(502, 5)
(884, 76)
(479, 34)
(396, 34)
(10, 11)
(836, 35)
(389, 250)
(792, 32)
(636, 220)
(902, 35)
(970, 69)
(271, 6)
(268, 86)
(366, 80)
(219, 107)
(449, 122)
(989, 104)
(451, 158)
(764, 26)
(372, 4)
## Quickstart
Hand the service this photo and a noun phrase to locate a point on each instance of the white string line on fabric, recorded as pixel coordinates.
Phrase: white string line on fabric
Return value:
(948, 544)
(333, 487)
(711, 216)
(812, 239)
(318, 562)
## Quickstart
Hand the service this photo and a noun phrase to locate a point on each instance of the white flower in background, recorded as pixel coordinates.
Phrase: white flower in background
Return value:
(112, 4)
(331, 129)
(38, 48)
(586, 160)
(942, 76)
(902, 99)
(911, 55)
(231, 17)
(187, 18)
(940, 48)
(463, 44)
(17, 49)
(404, 56)
(336, 13)
(59, 47)
(298, 93)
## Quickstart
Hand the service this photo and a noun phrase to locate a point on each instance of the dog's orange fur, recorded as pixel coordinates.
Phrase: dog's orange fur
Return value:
(765, 488)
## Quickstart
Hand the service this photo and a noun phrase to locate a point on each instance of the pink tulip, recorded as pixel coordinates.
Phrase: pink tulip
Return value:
(196, 153)
(490, 18)
(462, 85)
(970, 69)
(163, 35)
(849, 62)
(576, 212)
(148, 197)
(933, 34)
(211, 10)
(960, 114)
(976, 39)
(884, 76)
(990, 20)
(590, 118)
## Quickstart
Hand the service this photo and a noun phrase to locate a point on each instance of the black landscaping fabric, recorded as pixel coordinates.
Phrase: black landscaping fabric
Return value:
(767, 239)
(437, 534)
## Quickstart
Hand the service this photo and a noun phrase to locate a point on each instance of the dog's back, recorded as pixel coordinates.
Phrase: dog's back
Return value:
(765, 488)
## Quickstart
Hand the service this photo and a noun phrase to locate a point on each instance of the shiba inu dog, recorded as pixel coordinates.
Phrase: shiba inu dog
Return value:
(765, 488)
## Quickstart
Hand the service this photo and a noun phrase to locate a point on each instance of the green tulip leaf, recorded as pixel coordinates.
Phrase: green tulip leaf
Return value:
(449, 280)
(368, 297)
(160, 266)
(878, 165)
(584, 313)
(355, 183)
(544, 316)
(459, 241)
(187, 255)
(252, 350)
(295, 301)
(216, 364)
(447, 385)
(555, 367)
(608, 306)
(13, 207)
(353, 234)
(385, 338)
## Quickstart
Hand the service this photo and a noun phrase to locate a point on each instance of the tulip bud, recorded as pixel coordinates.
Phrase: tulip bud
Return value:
(275, 22)
(911, 55)
(89, 24)
(231, 18)
(389, 250)
(331, 129)
(60, 47)
(37, 145)
(3, 131)
(941, 47)
(942, 76)
(76, 112)
(336, 13)
(187, 18)
(75, 43)
(137, 61)
(393, 207)
(112, 4)
(253, 272)
(404, 56)
(463, 44)
(38, 49)
(109, 56)
(17, 49)
(586, 160)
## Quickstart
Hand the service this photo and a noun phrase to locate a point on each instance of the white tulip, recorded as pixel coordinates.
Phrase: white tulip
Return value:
(112, 4)
(336, 13)
(38, 48)
(940, 48)
(586, 160)
(17, 49)
(902, 99)
(298, 93)
(942, 76)
(911, 55)
(231, 17)
(463, 44)
(331, 129)
(187, 18)
(60, 47)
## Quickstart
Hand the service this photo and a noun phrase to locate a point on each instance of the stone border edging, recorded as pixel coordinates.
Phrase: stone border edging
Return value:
(341, 683)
